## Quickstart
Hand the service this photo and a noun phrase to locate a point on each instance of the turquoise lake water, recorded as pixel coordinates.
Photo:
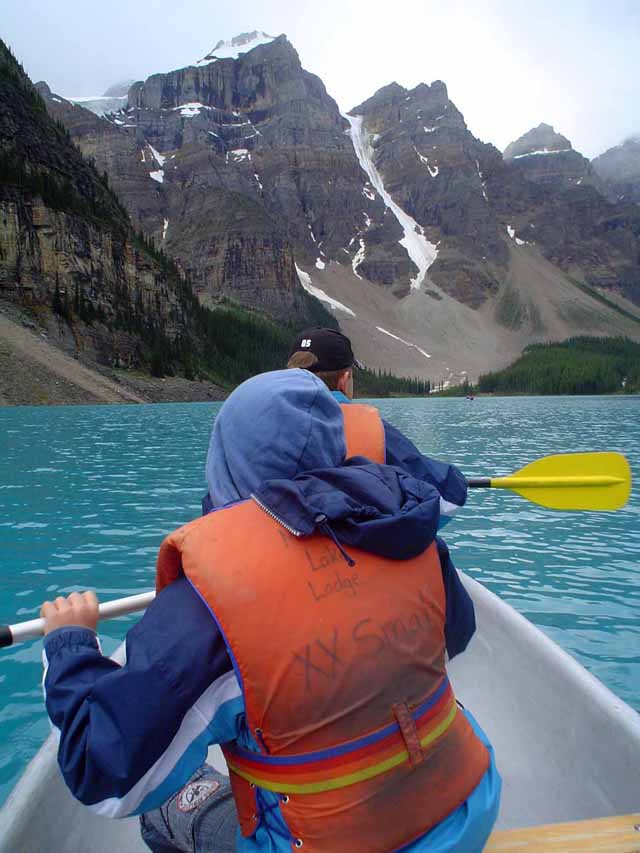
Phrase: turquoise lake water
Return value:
(87, 493)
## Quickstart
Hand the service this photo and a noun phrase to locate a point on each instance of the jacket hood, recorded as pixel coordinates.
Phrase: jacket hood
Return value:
(378, 508)
(274, 426)
(279, 438)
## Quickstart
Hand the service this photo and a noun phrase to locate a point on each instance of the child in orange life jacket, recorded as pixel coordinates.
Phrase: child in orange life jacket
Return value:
(191, 674)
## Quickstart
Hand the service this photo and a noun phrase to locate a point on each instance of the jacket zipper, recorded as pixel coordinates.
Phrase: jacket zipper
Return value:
(275, 517)
(320, 520)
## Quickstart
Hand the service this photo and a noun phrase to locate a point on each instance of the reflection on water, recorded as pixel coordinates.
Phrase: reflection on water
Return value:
(87, 494)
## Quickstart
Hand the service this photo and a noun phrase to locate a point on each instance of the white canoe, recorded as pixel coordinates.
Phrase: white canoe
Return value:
(567, 747)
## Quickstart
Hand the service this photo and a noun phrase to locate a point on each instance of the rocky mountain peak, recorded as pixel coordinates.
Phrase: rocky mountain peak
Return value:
(432, 98)
(245, 172)
(539, 140)
(237, 46)
(437, 89)
(548, 159)
(619, 168)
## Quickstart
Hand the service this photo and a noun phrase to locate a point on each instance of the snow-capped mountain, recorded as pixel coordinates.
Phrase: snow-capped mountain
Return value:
(235, 48)
(439, 256)
(545, 157)
(542, 139)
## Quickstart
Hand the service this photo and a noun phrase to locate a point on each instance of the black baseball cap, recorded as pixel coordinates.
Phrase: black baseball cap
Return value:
(331, 348)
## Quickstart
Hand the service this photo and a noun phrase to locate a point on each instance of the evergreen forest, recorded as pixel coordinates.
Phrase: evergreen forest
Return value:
(582, 365)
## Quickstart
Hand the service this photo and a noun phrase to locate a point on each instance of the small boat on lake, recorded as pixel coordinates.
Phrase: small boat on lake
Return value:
(567, 747)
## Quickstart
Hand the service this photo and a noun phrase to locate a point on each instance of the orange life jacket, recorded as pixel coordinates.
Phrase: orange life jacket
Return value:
(343, 678)
(363, 431)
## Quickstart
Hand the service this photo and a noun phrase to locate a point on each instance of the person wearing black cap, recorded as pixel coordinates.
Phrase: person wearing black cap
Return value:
(328, 354)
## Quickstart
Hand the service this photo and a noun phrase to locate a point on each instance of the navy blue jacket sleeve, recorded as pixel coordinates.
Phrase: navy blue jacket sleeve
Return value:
(460, 620)
(115, 721)
(447, 479)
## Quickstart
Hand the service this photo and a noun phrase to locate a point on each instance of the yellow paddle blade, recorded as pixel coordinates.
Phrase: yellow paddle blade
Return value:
(595, 481)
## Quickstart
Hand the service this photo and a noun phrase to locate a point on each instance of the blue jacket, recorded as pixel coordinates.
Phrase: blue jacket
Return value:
(132, 735)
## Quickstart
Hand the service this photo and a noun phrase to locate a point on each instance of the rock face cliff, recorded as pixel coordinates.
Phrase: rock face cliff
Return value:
(433, 167)
(547, 158)
(114, 152)
(229, 165)
(556, 200)
(66, 242)
(619, 169)
(242, 161)
(242, 168)
(69, 254)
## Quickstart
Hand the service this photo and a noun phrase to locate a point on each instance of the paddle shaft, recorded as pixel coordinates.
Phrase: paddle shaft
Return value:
(21, 631)
(542, 482)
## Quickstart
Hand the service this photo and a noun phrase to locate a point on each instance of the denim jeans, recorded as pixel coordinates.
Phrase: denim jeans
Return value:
(200, 818)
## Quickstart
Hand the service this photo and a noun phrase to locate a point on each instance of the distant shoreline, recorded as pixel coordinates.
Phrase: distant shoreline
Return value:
(34, 372)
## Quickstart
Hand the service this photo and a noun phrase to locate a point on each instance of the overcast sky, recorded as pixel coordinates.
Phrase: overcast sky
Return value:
(508, 64)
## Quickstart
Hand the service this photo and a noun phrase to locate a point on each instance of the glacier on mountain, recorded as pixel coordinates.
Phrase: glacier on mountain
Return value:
(236, 47)
(420, 250)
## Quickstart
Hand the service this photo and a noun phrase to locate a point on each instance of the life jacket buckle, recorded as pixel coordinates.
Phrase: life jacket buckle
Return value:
(409, 733)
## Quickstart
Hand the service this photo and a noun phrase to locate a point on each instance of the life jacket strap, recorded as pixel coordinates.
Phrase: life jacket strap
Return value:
(354, 761)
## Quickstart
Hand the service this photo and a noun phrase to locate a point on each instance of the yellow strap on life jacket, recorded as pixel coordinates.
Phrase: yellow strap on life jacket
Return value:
(353, 761)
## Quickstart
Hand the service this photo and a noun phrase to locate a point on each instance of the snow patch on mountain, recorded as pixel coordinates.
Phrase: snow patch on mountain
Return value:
(86, 98)
(236, 47)
(433, 172)
(191, 109)
(160, 158)
(99, 105)
(305, 281)
(420, 250)
(542, 151)
(480, 175)
(511, 231)
(358, 259)
(402, 341)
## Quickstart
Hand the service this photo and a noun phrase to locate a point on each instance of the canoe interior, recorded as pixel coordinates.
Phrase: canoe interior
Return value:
(568, 749)
(619, 834)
